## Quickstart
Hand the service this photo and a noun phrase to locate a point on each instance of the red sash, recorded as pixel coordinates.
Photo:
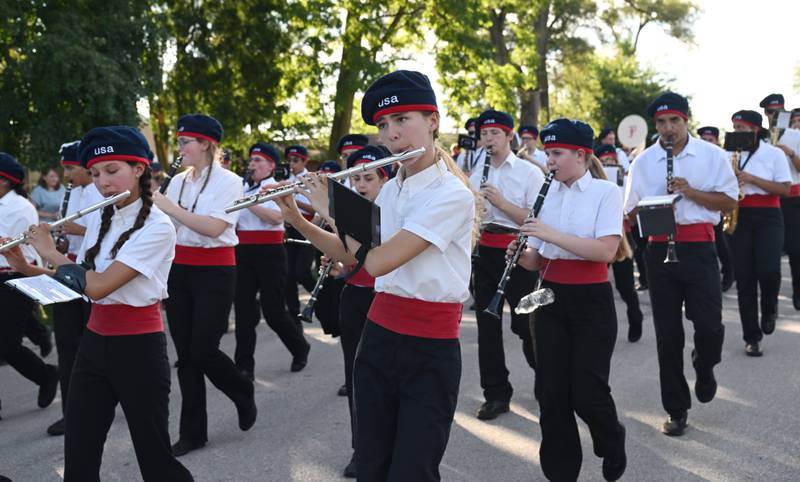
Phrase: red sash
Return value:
(574, 271)
(413, 317)
(760, 201)
(494, 240)
(260, 237)
(117, 320)
(689, 233)
(362, 278)
(195, 256)
(794, 191)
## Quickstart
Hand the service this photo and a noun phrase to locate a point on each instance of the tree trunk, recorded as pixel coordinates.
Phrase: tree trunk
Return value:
(542, 44)
(529, 106)
(346, 83)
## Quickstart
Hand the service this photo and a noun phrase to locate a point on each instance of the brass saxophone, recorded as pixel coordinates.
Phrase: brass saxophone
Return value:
(729, 220)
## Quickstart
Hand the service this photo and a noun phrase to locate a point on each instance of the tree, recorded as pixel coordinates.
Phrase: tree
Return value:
(68, 67)
(625, 19)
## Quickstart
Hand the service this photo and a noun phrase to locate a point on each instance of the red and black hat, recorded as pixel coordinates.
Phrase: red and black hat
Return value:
(749, 117)
(200, 126)
(708, 131)
(772, 101)
(11, 169)
(496, 118)
(669, 103)
(329, 167)
(369, 154)
(568, 134)
(265, 151)
(472, 122)
(528, 130)
(399, 91)
(795, 113)
(351, 142)
(296, 150)
(114, 143)
(69, 153)
(605, 150)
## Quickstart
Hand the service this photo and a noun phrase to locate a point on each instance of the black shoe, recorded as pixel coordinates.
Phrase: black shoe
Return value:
(634, 332)
(614, 465)
(46, 344)
(57, 428)
(768, 323)
(248, 375)
(727, 281)
(752, 349)
(705, 387)
(675, 426)
(300, 361)
(183, 447)
(350, 470)
(342, 391)
(796, 301)
(491, 410)
(48, 389)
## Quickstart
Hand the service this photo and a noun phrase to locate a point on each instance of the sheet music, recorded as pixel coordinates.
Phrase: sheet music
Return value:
(43, 289)
(666, 199)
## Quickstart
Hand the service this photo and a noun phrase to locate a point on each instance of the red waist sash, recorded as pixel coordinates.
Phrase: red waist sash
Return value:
(494, 240)
(260, 237)
(117, 320)
(794, 191)
(195, 256)
(574, 271)
(760, 201)
(362, 278)
(689, 233)
(413, 317)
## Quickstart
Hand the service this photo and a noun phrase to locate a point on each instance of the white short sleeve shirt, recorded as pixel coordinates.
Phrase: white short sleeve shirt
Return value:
(791, 139)
(249, 221)
(767, 162)
(17, 214)
(519, 182)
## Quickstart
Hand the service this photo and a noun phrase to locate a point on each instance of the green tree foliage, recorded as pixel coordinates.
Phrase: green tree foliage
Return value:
(68, 66)
(626, 19)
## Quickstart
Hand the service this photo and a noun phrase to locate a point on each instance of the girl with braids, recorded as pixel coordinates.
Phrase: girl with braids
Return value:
(408, 363)
(122, 358)
(203, 278)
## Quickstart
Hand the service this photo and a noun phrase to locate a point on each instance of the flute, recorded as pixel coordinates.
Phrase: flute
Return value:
(72, 217)
(289, 188)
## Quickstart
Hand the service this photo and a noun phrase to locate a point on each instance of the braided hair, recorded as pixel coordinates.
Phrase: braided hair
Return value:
(105, 221)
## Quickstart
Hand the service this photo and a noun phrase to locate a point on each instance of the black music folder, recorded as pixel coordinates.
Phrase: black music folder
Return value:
(656, 215)
(358, 217)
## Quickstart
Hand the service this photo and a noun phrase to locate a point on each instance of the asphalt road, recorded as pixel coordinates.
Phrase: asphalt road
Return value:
(751, 431)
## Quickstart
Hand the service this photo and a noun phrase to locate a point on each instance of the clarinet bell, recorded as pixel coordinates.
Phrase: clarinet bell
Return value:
(308, 312)
(672, 253)
(494, 306)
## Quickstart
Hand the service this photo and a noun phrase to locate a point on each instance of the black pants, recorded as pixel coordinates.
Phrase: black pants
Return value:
(406, 390)
(623, 281)
(724, 250)
(300, 257)
(261, 269)
(757, 244)
(639, 245)
(199, 303)
(694, 280)
(790, 206)
(36, 331)
(131, 370)
(574, 339)
(488, 268)
(17, 309)
(69, 322)
(353, 311)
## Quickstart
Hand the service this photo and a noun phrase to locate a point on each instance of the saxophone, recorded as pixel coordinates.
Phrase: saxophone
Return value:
(729, 220)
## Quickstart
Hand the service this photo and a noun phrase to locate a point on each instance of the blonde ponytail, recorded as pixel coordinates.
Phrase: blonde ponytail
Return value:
(624, 250)
(442, 154)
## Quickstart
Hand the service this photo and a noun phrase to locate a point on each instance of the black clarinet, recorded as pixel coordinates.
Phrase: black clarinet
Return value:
(173, 168)
(487, 164)
(62, 242)
(308, 311)
(494, 305)
(672, 254)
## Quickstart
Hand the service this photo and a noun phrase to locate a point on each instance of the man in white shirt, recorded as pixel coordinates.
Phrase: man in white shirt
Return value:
(510, 186)
(530, 143)
(608, 136)
(702, 174)
(468, 159)
(300, 256)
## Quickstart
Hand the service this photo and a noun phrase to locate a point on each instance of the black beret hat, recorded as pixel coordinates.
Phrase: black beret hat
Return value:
(604, 132)
(471, 122)
(329, 166)
(351, 142)
(11, 169)
(772, 101)
(749, 117)
(708, 131)
(296, 150)
(795, 113)
(114, 143)
(669, 103)
(496, 118)
(200, 126)
(155, 166)
(369, 154)
(399, 91)
(528, 130)
(265, 151)
(605, 150)
(69, 153)
(569, 134)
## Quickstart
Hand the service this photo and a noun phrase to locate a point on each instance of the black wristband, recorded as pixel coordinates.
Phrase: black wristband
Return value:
(73, 276)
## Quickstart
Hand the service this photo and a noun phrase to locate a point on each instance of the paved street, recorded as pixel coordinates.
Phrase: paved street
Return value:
(750, 432)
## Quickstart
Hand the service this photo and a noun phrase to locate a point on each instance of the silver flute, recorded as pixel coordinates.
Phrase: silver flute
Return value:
(77, 214)
(263, 197)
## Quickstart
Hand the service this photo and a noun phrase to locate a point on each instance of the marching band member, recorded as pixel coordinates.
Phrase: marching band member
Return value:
(300, 256)
(349, 144)
(609, 137)
(408, 365)
(16, 214)
(711, 134)
(468, 159)
(794, 120)
(705, 179)
(261, 269)
(202, 279)
(758, 238)
(623, 269)
(124, 264)
(576, 235)
(510, 189)
(530, 143)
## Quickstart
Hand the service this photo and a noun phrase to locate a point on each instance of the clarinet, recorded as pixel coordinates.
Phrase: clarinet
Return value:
(308, 311)
(487, 163)
(494, 305)
(173, 168)
(672, 255)
(62, 242)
